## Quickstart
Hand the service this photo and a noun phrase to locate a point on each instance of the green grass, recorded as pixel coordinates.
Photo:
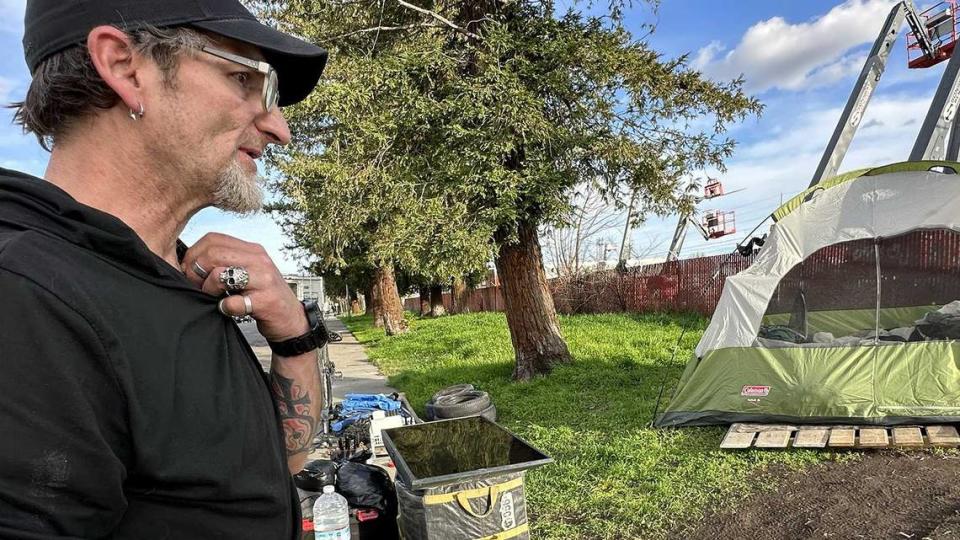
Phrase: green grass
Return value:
(614, 477)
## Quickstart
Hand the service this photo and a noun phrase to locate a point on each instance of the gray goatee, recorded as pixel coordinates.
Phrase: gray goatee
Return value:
(238, 191)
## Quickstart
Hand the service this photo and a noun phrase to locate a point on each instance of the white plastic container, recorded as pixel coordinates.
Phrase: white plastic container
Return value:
(331, 516)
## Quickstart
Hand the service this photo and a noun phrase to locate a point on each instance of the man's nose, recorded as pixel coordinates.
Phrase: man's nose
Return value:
(275, 126)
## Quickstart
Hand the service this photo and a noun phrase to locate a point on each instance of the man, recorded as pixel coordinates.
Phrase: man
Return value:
(130, 405)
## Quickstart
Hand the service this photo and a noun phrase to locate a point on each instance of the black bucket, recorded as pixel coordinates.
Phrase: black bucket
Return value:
(461, 479)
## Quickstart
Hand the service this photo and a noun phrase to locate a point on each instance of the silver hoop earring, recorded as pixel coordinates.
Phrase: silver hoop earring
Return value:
(137, 115)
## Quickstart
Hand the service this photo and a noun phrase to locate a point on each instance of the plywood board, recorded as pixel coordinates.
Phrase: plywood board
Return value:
(759, 428)
(943, 436)
(907, 436)
(773, 439)
(842, 437)
(745, 435)
(874, 437)
(811, 438)
(735, 439)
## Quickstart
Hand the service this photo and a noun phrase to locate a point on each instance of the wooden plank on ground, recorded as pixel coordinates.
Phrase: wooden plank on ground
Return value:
(758, 428)
(773, 439)
(842, 437)
(873, 437)
(736, 439)
(907, 436)
(812, 438)
(943, 436)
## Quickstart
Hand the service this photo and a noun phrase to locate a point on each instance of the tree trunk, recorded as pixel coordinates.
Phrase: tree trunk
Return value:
(375, 301)
(460, 295)
(531, 316)
(372, 303)
(389, 313)
(436, 301)
(424, 301)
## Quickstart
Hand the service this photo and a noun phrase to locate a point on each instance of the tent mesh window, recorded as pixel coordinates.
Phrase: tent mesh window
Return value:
(869, 291)
(820, 295)
(920, 286)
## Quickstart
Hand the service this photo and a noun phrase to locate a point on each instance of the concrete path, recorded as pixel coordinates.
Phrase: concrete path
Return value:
(359, 375)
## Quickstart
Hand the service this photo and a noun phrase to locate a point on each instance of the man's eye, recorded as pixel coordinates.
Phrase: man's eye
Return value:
(242, 77)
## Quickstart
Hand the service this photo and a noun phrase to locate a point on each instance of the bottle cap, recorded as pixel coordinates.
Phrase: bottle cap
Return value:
(328, 489)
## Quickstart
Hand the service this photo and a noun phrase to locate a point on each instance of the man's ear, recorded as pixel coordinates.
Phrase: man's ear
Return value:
(112, 54)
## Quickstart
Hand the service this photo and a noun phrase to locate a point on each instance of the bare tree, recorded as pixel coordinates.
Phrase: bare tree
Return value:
(645, 249)
(567, 248)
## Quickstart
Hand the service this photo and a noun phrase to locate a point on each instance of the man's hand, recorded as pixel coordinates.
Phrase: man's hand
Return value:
(295, 381)
(278, 313)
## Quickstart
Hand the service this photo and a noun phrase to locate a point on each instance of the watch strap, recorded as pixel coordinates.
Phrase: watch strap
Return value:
(314, 338)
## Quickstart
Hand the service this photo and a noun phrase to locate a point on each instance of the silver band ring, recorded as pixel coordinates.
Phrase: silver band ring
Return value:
(198, 270)
(247, 308)
(235, 278)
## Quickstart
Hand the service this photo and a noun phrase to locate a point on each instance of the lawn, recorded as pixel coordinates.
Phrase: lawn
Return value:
(614, 476)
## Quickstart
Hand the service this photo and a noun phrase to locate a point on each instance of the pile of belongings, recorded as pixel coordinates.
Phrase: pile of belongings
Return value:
(942, 324)
(356, 407)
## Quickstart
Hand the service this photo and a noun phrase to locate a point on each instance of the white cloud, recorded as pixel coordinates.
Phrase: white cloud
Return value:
(777, 54)
(786, 161)
(781, 165)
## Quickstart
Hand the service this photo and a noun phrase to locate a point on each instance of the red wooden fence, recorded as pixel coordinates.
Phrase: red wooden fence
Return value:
(917, 268)
(689, 285)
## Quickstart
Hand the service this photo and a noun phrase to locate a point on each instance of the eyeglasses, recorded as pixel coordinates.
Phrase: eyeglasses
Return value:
(271, 94)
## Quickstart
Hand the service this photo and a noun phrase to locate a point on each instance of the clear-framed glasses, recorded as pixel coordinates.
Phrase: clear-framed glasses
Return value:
(271, 94)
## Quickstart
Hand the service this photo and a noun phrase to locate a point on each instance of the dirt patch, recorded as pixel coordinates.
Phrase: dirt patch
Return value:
(882, 495)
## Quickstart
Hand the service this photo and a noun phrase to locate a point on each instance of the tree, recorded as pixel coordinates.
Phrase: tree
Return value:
(567, 247)
(497, 110)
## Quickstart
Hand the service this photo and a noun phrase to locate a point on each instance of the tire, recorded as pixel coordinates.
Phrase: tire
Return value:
(428, 413)
(468, 403)
(490, 413)
(451, 391)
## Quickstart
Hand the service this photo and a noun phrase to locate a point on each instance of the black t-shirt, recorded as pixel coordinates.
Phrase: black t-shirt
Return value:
(129, 407)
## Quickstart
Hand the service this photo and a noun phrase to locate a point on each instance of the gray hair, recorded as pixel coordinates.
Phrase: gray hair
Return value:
(66, 86)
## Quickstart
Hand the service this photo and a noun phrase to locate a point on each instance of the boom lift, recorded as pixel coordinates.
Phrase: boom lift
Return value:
(931, 40)
(715, 223)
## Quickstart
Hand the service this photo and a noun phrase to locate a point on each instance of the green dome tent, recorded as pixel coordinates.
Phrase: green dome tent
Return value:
(850, 313)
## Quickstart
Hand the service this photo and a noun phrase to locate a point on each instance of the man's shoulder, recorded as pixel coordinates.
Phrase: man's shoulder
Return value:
(48, 262)
(19, 247)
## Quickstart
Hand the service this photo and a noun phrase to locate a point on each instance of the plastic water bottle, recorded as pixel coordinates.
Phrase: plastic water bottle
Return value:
(331, 516)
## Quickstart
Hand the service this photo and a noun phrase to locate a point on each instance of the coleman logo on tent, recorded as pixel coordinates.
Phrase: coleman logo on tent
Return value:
(754, 391)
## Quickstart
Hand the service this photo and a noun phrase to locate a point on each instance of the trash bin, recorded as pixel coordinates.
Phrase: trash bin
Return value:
(461, 479)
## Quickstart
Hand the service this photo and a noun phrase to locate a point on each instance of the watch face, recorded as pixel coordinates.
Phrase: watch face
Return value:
(314, 316)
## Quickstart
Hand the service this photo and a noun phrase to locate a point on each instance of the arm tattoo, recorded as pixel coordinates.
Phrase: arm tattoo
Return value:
(294, 406)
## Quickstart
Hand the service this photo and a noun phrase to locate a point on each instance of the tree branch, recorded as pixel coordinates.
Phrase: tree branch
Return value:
(439, 18)
(382, 29)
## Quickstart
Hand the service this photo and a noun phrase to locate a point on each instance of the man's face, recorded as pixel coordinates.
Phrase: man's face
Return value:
(217, 128)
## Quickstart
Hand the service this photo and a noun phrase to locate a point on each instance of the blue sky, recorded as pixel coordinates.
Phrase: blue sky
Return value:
(799, 58)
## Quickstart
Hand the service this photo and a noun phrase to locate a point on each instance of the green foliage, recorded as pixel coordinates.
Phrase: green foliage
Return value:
(438, 127)
(614, 477)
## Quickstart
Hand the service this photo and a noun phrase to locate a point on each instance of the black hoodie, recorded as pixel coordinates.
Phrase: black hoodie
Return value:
(129, 407)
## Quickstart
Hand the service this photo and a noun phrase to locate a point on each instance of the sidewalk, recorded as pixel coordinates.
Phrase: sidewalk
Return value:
(359, 375)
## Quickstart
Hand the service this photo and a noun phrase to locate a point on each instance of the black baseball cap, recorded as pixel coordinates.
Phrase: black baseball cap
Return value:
(51, 26)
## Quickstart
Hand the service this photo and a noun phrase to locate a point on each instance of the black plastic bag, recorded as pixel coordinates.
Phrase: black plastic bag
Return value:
(316, 474)
(367, 486)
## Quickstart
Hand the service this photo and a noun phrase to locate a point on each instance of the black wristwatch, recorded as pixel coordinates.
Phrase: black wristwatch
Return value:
(315, 338)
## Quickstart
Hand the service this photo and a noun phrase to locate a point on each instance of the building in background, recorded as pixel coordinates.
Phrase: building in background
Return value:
(307, 288)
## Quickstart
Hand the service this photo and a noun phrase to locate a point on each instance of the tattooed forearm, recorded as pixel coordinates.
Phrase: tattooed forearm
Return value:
(293, 402)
